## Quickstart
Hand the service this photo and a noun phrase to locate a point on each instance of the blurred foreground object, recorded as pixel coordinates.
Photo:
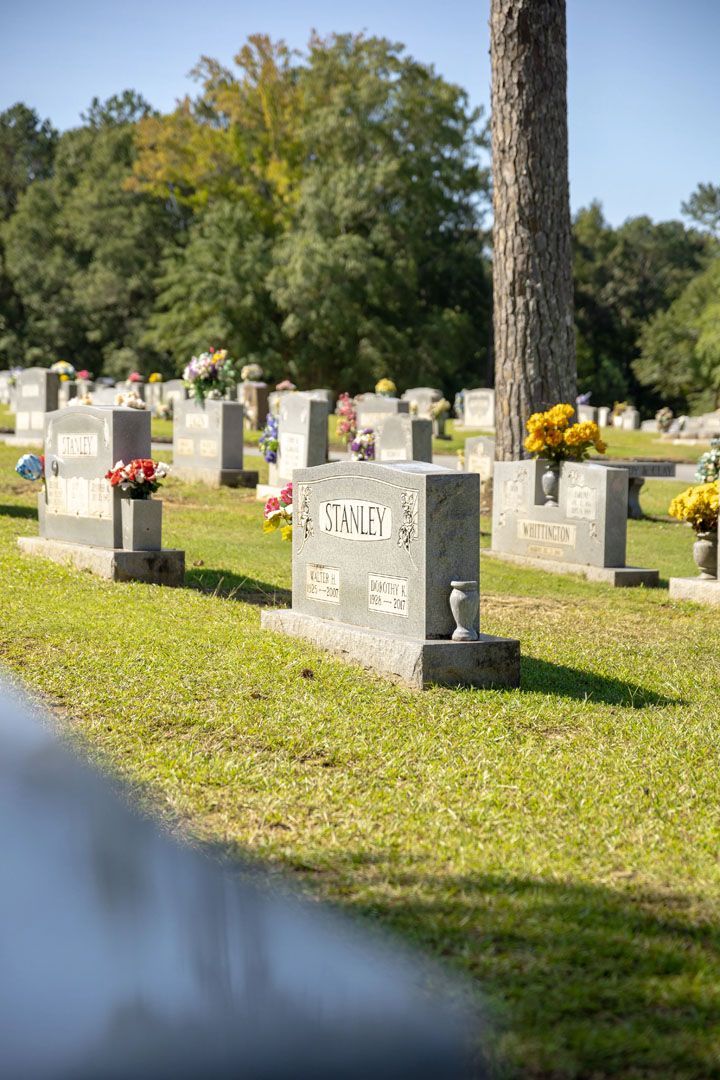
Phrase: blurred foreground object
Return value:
(125, 954)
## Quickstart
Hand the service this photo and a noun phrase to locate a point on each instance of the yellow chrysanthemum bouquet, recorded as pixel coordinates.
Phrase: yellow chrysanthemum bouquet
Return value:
(552, 436)
(697, 506)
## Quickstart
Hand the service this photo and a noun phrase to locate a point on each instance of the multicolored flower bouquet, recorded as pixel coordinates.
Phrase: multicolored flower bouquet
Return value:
(278, 513)
(268, 441)
(139, 479)
(286, 385)
(135, 376)
(362, 447)
(210, 375)
(31, 467)
(346, 425)
(664, 418)
(708, 466)
(553, 437)
(64, 369)
(251, 373)
(698, 507)
(386, 387)
(84, 374)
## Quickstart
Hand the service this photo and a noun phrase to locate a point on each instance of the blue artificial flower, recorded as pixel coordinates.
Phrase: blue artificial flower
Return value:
(30, 467)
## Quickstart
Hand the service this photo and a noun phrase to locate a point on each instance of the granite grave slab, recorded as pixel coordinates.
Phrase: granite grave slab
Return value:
(374, 408)
(253, 397)
(422, 399)
(208, 444)
(84, 521)
(386, 572)
(479, 408)
(584, 532)
(37, 393)
(302, 440)
(400, 437)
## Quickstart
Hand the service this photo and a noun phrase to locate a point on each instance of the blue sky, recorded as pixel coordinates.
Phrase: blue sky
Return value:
(644, 80)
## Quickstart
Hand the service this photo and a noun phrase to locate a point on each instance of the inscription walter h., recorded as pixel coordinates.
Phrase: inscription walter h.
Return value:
(388, 595)
(322, 583)
(355, 519)
(546, 532)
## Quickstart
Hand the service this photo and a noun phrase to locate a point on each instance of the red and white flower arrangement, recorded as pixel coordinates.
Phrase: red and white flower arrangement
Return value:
(140, 478)
(278, 513)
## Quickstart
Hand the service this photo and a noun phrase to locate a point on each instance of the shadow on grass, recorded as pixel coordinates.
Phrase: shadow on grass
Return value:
(587, 981)
(19, 511)
(233, 586)
(543, 677)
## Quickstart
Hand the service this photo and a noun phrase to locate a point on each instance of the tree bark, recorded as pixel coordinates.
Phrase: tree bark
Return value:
(532, 269)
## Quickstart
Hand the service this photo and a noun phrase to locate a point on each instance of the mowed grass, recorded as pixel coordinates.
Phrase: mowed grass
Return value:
(558, 843)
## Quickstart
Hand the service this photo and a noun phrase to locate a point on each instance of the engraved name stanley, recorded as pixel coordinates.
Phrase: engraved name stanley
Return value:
(356, 520)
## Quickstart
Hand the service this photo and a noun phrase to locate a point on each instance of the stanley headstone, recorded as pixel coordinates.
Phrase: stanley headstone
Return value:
(378, 552)
(585, 532)
(208, 444)
(403, 438)
(83, 520)
(37, 394)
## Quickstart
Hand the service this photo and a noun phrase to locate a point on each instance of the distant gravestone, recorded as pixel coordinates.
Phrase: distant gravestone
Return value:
(585, 532)
(586, 414)
(480, 456)
(67, 390)
(302, 440)
(385, 573)
(629, 419)
(208, 444)
(128, 386)
(374, 408)
(403, 438)
(5, 378)
(104, 395)
(323, 395)
(173, 391)
(638, 472)
(83, 520)
(254, 399)
(603, 416)
(37, 394)
(423, 398)
(479, 408)
(274, 399)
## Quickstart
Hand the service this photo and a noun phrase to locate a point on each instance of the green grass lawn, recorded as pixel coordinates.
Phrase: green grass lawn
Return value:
(558, 843)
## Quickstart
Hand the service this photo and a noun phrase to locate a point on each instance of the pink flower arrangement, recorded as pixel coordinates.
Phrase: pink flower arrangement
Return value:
(346, 425)
(278, 513)
(135, 376)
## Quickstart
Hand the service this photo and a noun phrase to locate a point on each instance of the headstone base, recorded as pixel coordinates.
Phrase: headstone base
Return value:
(701, 590)
(619, 577)
(490, 662)
(216, 478)
(165, 567)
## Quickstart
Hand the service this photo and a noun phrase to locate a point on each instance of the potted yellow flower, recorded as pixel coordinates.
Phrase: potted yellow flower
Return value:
(697, 506)
(553, 437)
(386, 388)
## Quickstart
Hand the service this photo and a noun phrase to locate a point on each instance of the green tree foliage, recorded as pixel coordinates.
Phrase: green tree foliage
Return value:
(623, 277)
(680, 346)
(358, 247)
(703, 208)
(27, 147)
(83, 253)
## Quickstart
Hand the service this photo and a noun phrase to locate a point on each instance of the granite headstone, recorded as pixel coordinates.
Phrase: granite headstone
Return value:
(208, 443)
(479, 408)
(37, 394)
(403, 438)
(378, 550)
(374, 408)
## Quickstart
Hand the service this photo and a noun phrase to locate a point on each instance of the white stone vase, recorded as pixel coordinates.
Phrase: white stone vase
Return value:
(550, 482)
(141, 524)
(465, 604)
(705, 554)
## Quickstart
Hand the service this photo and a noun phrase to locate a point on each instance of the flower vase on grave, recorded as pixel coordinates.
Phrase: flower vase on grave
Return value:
(465, 604)
(550, 482)
(141, 523)
(705, 554)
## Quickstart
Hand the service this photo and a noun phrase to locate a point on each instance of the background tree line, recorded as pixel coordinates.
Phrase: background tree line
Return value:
(326, 215)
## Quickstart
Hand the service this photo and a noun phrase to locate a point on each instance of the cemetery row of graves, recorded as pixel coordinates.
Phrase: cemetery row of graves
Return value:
(541, 815)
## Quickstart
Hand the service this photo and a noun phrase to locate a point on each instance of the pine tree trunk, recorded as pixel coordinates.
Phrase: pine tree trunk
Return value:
(532, 269)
